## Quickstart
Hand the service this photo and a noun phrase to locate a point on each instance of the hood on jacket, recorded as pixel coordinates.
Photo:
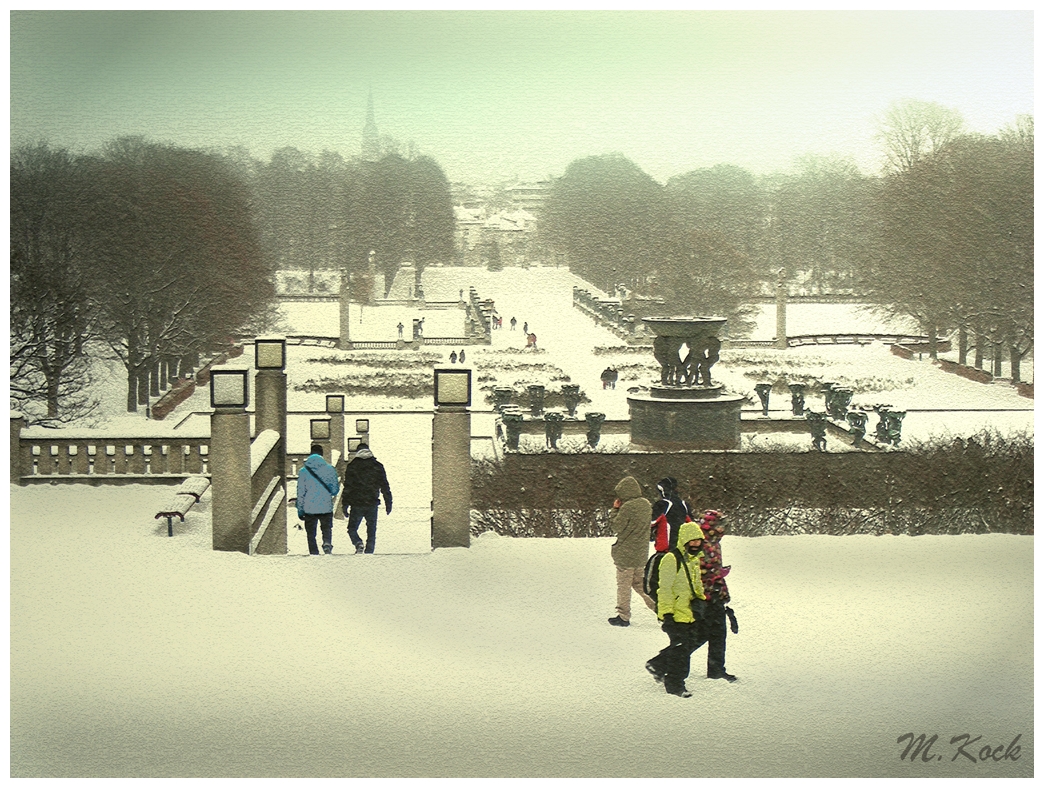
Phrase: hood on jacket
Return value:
(628, 488)
(667, 486)
(315, 461)
(686, 533)
(363, 454)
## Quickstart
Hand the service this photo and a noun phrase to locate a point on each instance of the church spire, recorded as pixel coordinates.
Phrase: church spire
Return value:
(371, 148)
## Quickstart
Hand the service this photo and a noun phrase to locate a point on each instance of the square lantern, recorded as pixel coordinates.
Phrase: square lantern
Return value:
(335, 403)
(269, 353)
(453, 387)
(228, 388)
(320, 429)
(362, 426)
(353, 445)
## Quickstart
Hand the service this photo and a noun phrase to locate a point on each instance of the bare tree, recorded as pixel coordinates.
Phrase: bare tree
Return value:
(911, 130)
(51, 321)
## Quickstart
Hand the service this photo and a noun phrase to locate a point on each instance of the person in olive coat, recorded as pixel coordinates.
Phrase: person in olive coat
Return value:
(630, 522)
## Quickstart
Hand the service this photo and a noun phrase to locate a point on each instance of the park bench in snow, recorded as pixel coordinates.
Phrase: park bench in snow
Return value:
(185, 497)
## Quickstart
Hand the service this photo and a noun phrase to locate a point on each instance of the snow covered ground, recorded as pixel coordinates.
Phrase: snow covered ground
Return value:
(134, 654)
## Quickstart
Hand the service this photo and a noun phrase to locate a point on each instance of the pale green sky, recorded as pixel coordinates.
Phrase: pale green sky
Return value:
(492, 95)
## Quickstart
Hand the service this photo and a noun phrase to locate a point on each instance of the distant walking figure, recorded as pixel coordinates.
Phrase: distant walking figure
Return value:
(513, 322)
(365, 480)
(400, 327)
(317, 485)
(461, 355)
(531, 341)
(525, 327)
(453, 357)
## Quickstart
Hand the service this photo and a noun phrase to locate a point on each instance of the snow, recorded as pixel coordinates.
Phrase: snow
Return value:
(134, 654)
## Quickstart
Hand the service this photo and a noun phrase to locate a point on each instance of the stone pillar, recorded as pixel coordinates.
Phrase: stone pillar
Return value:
(230, 478)
(17, 423)
(346, 339)
(781, 311)
(270, 414)
(270, 407)
(335, 408)
(451, 477)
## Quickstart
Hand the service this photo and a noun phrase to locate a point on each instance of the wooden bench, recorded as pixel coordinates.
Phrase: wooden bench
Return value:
(185, 497)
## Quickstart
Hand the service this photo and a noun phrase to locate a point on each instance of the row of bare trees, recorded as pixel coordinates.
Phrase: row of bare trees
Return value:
(145, 248)
(944, 235)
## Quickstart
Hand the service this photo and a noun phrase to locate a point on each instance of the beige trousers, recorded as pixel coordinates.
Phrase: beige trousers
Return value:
(626, 581)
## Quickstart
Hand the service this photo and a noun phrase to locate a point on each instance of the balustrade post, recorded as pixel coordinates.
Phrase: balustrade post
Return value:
(17, 423)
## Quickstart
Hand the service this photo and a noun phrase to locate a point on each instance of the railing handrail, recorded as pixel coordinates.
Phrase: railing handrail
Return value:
(261, 447)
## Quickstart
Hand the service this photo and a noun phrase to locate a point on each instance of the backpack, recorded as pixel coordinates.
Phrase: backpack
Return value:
(651, 579)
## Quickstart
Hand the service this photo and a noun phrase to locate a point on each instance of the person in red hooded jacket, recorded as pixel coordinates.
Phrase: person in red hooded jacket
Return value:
(713, 574)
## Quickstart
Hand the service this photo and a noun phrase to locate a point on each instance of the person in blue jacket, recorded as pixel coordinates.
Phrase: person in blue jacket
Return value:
(317, 486)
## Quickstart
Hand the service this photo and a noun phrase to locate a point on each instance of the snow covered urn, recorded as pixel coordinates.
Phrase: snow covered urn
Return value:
(594, 427)
(512, 418)
(571, 395)
(536, 399)
(553, 428)
(686, 410)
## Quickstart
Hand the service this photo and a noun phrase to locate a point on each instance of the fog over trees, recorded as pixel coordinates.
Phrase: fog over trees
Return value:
(160, 253)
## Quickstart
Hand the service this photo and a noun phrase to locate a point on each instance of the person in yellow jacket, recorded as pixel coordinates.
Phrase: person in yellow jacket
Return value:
(681, 605)
(630, 521)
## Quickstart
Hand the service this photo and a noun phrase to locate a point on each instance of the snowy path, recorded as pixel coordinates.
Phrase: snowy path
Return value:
(134, 654)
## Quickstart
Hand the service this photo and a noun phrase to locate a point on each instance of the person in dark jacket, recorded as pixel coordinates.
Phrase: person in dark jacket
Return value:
(364, 482)
(667, 515)
(317, 486)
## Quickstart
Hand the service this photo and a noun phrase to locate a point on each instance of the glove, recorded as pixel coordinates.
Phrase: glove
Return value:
(668, 618)
(387, 508)
(733, 623)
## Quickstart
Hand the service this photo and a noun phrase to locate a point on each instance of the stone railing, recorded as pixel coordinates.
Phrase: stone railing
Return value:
(268, 491)
(40, 454)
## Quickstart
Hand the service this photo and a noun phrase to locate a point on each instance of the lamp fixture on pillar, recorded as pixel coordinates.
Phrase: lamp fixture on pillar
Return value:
(335, 403)
(269, 353)
(228, 388)
(453, 387)
(319, 429)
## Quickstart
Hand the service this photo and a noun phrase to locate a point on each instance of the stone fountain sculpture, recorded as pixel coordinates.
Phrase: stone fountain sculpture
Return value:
(687, 410)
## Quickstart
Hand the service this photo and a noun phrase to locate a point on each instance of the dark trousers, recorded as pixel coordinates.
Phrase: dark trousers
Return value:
(716, 628)
(355, 516)
(325, 522)
(673, 661)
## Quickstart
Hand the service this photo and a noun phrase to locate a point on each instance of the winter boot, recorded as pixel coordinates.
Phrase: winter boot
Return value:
(721, 674)
(677, 689)
(654, 672)
(616, 621)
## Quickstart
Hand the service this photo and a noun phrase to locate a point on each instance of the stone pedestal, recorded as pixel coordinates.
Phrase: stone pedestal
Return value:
(686, 410)
(451, 477)
(230, 479)
(17, 423)
(685, 420)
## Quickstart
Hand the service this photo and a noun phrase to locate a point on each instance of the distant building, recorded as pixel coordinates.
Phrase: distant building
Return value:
(371, 144)
(529, 197)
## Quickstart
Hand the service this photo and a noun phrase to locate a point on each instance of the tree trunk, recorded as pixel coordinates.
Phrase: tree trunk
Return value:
(132, 391)
(143, 384)
(997, 360)
(933, 342)
(154, 375)
(962, 345)
(980, 344)
(1016, 362)
(52, 396)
